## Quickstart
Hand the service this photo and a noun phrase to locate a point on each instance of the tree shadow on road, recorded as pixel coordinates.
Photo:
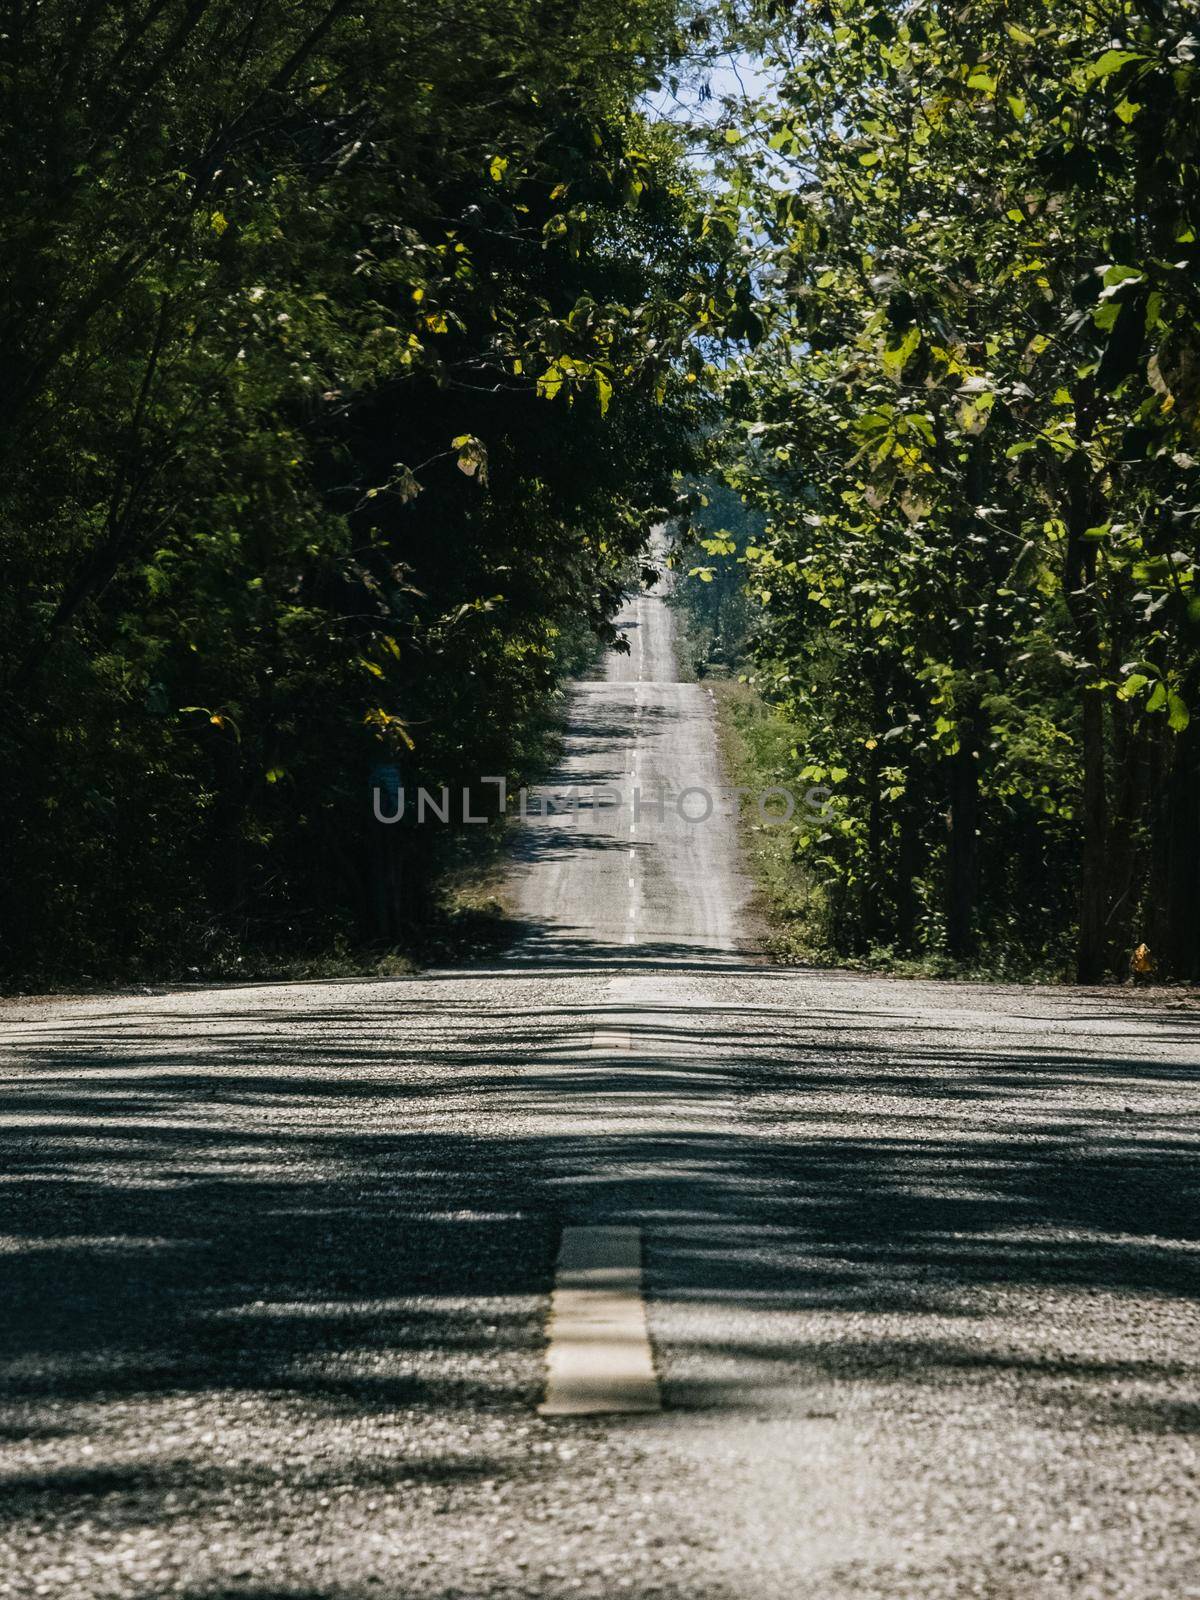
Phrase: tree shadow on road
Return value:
(357, 1216)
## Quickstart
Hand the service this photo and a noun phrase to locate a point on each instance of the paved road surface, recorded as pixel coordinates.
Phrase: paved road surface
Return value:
(638, 872)
(920, 1260)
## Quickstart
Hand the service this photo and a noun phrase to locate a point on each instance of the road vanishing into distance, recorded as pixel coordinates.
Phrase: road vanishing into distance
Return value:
(303, 1287)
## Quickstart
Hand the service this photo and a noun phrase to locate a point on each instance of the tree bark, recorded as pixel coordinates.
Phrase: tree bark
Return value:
(1180, 956)
(874, 873)
(1127, 834)
(962, 861)
(1079, 578)
(906, 872)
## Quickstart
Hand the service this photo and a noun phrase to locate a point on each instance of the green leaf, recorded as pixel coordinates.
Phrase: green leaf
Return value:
(1133, 686)
(1112, 61)
(895, 357)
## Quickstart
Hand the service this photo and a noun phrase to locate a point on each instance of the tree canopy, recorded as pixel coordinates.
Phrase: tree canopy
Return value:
(967, 407)
(344, 374)
(350, 351)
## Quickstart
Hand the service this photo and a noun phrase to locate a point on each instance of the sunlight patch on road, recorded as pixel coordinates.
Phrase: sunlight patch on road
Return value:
(611, 1039)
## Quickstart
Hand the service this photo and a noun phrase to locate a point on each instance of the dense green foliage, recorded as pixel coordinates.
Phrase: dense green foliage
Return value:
(342, 383)
(968, 410)
(350, 351)
(716, 612)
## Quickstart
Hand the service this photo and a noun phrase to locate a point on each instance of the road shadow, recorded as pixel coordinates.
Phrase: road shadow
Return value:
(356, 1215)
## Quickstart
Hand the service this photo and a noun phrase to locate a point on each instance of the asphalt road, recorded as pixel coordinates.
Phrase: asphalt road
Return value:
(633, 859)
(920, 1259)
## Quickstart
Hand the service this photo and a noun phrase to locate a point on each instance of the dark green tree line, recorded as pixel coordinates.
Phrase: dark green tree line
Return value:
(970, 415)
(344, 372)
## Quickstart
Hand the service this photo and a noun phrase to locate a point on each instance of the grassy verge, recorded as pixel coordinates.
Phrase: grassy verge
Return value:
(756, 745)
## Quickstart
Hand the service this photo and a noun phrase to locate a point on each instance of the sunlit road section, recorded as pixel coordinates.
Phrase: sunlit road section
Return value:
(910, 1269)
(645, 855)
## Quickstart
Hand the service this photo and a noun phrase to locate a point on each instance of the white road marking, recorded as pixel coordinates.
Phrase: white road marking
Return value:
(599, 1359)
(611, 1039)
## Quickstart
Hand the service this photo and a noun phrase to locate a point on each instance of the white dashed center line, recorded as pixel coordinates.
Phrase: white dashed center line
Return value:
(611, 1039)
(599, 1359)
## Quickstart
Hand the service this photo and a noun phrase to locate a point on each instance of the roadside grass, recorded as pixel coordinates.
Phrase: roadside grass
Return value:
(756, 744)
(471, 913)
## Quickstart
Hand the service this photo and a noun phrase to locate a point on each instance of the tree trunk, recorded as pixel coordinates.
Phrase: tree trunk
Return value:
(962, 861)
(386, 842)
(1126, 836)
(1180, 955)
(1093, 885)
(874, 873)
(906, 872)
(228, 858)
(1079, 578)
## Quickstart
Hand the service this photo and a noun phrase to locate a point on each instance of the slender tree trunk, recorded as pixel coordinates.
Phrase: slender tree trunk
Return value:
(962, 861)
(1154, 927)
(1080, 583)
(1126, 836)
(874, 873)
(906, 873)
(228, 862)
(1180, 957)
(1093, 886)
(382, 877)
(387, 844)
(962, 856)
